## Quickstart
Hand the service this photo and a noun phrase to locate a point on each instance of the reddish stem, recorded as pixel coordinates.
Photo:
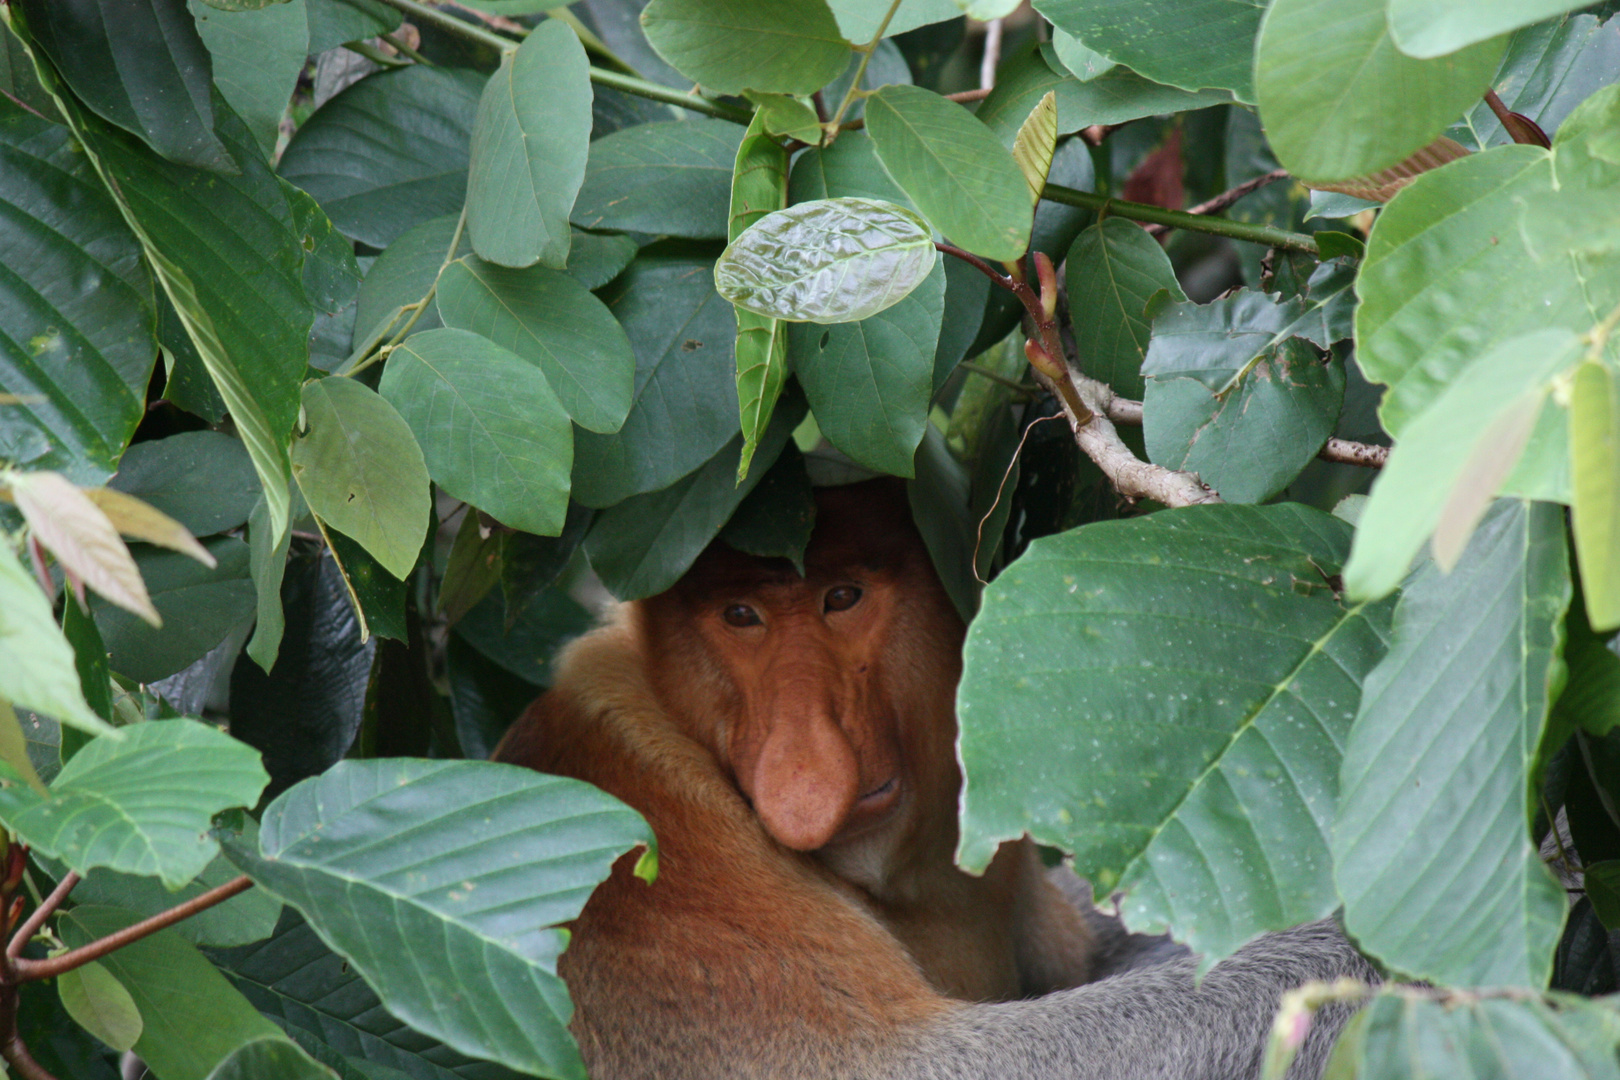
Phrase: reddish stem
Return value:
(28, 929)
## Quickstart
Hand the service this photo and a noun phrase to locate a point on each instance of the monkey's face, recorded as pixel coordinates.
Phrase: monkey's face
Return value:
(821, 693)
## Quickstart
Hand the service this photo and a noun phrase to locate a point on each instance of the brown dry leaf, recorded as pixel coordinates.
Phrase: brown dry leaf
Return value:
(1381, 186)
(66, 521)
(132, 517)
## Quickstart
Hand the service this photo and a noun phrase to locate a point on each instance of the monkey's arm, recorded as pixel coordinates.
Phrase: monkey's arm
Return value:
(1149, 1023)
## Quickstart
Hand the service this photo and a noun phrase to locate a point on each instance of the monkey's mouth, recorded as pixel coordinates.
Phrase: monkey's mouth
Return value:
(881, 794)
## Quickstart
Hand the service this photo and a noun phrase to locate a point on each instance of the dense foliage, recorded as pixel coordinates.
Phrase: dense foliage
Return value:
(350, 348)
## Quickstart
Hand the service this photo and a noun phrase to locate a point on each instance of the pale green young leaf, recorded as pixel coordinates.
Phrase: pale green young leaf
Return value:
(1033, 146)
(36, 662)
(101, 1005)
(758, 187)
(1594, 447)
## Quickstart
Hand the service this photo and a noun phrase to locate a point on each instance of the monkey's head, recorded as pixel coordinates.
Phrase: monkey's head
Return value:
(830, 696)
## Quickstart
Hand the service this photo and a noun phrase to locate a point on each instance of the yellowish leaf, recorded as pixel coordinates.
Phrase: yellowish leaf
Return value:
(1035, 142)
(67, 522)
(1495, 453)
(1594, 448)
(132, 517)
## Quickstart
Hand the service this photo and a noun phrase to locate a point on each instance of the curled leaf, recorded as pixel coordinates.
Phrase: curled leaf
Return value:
(84, 541)
(827, 261)
(133, 517)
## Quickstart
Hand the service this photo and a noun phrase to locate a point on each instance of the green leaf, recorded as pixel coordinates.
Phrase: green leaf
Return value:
(333, 22)
(1450, 459)
(594, 259)
(199, 605)
(828, 261)
(235, 254)
(267, 564)
(1084, 63)
(1233, 395)
(490, 426)
(684, 402)
(643, 545)
(671, 178)
(1191, 44)
(758, 188)
(858, 20)
(550, 320)
(138, 64)
(848, 168)
(1113, 270)
(870, 382)
(202, 479)
(77, 306)
(1434, 28)
(787, 116)
(403, 275)
(1594, 445)
(362, 472)
(528, 150)
(1339, 100)
(777, 517)
(728, 46)
(241, 920)
(193, 1019)
(962, 179)
(141, 804)
(100, 1005)
(525, 848)
(1548, 70)
(389, 152)
(323, 1002)
(278, 1057)
(1424, 878)
(258, 51)
(1418, 332)
(36, 666)
(1187, 753)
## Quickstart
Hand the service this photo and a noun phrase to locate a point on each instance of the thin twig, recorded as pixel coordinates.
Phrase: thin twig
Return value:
(961, 97)
(994, 376)
(866, 52)
(1181, 219)
(978, 535)
(41, 912)
(992, 54)
(1225, 198)
(31, 970)
(1372, 456)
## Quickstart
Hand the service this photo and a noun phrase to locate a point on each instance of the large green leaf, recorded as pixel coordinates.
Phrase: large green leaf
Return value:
(956, 172)
(245, 260)
(528, 150)
(489, 424)
(141, 804)
(1113, 270)
(36, 664)
(139, 64)
(1453, 457)
(1417, 331)
(333, 22)
(1431, 28)
(1234, 395)
(241, 920)
(1413, 1037)
(481, 862)
(76, 304)
(1549, 68)
(361, 471)
(1192, 44)
(1432, 849)
(759, 187)
(202, 479)
(322, 1001)
(779, 46)
(870, 382)
(858, 19)
(199, 605)
(549, 319)
(643, 545)
(257, 57)
(828, 261)
(389, 152)
(1594, 442)
(684, 403)
(1339, 100)
(193, 1019)
(1185, 751)
(671, 178)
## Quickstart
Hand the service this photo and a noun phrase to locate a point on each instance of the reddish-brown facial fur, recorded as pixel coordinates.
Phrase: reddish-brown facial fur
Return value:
(792, 744)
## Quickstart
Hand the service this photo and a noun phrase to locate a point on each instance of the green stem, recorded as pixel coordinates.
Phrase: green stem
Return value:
(423, 13)
(866, 52)
(1180, 219)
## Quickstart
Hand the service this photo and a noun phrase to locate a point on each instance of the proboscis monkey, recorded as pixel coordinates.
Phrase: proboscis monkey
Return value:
(791, 740)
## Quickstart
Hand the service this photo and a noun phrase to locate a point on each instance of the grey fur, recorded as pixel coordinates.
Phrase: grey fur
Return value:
(1146, 1023)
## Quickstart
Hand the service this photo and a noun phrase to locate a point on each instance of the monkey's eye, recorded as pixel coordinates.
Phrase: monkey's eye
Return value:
(741, 615)
(842, 598)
